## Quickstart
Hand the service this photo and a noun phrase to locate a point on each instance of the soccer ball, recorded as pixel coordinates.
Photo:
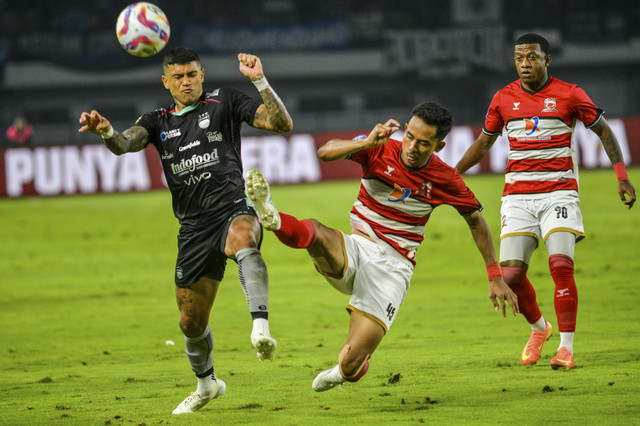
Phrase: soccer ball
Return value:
(142, 29)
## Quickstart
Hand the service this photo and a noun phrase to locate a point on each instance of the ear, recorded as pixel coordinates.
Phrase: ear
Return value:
(440, 145)
(165, 81)
(547, 60)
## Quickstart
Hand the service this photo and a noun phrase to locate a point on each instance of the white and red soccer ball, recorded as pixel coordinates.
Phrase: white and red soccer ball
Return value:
(142, 29)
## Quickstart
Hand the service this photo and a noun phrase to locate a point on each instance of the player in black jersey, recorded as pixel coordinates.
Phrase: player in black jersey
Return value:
(198, 139)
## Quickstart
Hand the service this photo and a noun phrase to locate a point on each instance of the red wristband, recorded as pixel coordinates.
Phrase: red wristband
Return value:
(621, 171)
(493, 271)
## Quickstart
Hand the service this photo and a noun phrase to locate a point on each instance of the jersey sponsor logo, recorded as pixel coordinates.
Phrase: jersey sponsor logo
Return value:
(204, 120)
(195, 162)
(174, 133)
(389, 170)
(167, 155)
(516, 106)
(196, 179)
(550, 105)
(531, 125)
(189, 146)
(399, 194)
(214, 137)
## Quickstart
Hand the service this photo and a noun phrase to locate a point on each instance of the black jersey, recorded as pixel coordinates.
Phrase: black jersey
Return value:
(200, 153)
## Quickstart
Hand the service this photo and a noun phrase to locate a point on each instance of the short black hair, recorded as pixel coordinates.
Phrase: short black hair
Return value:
(180, 56)
(434, 114)
(532, 38)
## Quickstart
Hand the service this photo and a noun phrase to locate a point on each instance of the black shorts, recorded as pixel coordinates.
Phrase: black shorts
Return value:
(201, 250)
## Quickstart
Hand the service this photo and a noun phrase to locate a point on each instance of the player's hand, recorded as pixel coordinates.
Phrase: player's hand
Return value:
(94, 122)
(382, 132)
(250, 66)
(500, 291)
(626, 189)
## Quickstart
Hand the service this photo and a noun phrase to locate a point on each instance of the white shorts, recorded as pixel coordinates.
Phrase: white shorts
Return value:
(541, 217)
(376, 280)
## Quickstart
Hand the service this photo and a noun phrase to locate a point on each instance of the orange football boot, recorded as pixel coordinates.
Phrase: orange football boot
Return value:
(531, 352)
(564, 359)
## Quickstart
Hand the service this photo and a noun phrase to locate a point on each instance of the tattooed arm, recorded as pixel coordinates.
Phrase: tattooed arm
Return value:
(272, 115)
(131, 140)
(626, 191)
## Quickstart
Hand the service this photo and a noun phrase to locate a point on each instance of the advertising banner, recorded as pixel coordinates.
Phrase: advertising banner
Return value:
(87, 169)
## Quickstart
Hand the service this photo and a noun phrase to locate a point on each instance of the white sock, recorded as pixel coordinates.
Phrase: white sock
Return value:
(261, 326)
(205, 384)
(539, 325)
(566, 340)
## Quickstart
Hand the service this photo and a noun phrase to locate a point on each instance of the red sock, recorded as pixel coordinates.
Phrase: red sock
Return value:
(566, 299)
(516, 279)
(296, 233)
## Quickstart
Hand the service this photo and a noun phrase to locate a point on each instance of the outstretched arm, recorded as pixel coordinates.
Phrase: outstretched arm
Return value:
(131, 140)
(476, 152)
(338, 149)
(498, 289)
(272, 114)
(612, 148)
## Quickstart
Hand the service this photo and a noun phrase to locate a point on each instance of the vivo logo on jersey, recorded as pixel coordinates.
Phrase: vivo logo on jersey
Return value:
(189, 146)
(196, 161)
(196, 179)
(531, 125)
(399, 194)
(164, 136)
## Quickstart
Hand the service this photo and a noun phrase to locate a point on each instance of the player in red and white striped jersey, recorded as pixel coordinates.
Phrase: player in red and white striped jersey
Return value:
(402, 182)
(540, 197)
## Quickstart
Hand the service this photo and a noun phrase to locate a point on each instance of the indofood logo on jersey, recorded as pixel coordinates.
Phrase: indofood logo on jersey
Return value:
(195, 162)
(173, 133)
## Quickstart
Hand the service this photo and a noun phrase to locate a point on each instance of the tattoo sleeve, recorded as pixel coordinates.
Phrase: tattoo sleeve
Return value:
(131, 140)
(610, 143)
(275, 117)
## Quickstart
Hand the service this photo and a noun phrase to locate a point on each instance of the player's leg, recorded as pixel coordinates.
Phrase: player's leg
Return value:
(324, 244)
(243, 237)
(515, 254)
(365, 334)
(561, 249)
(561, 224)
(194, 303)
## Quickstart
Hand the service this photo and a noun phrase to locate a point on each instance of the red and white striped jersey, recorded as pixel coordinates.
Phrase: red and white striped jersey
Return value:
(395, 202)
(540, 127)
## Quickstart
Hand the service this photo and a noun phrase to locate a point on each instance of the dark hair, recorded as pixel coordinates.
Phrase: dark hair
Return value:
(532, 38)
(180, 56)
(434, 114)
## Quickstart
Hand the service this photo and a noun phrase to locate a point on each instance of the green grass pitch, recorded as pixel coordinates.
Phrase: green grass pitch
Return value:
(88, 305)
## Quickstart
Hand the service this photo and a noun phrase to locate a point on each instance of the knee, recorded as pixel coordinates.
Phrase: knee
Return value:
(353, 364)
(560, 265)
(190, 326)
(513, 275)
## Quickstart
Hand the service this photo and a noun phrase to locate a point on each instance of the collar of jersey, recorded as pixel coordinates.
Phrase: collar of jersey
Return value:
(186, 109)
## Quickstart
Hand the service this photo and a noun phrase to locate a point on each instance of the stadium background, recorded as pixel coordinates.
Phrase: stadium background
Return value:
(340, 67)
